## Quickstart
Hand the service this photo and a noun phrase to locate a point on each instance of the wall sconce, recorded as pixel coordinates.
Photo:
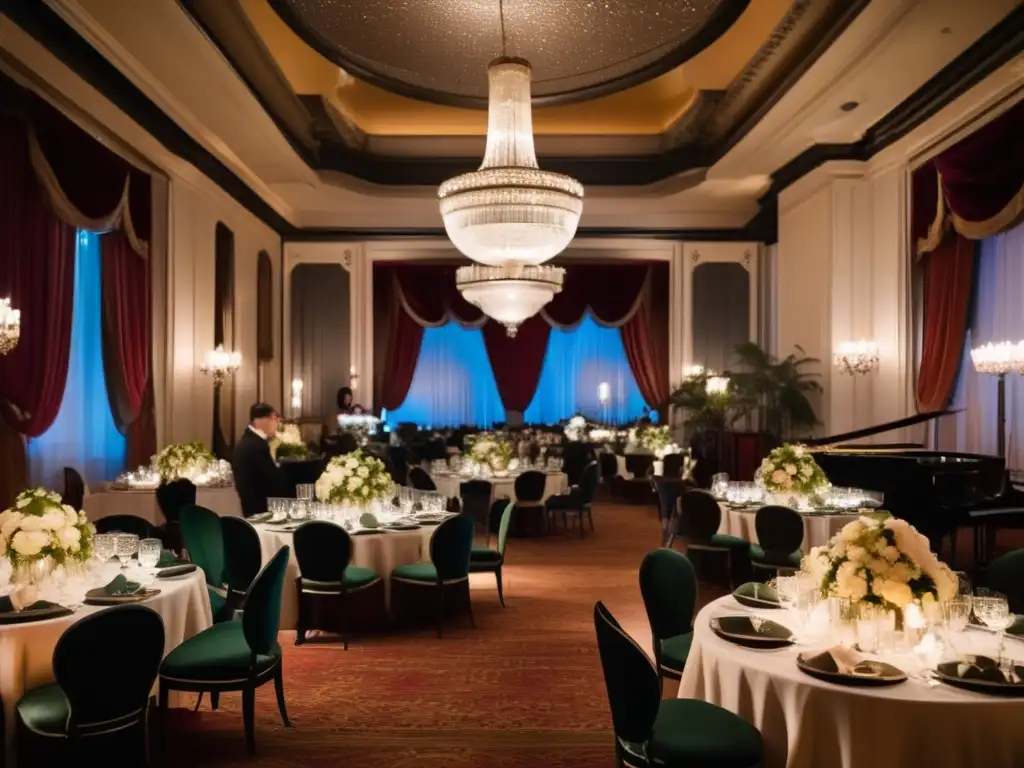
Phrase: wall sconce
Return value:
(856, 357)
(717, 385)
(998, 360)
(353, 379)
(220, 364)
(10, 326)
(296, 397)
(692, 371)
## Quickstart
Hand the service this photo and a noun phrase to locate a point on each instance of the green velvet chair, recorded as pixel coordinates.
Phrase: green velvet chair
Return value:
(328, 579)
(668, 584)
(699, 520)
(683, 733)
(243, 558)
(104, 665)
(487, 560)
(236, 655)
(201, 533)
(448, 569)
(1006, 575)
(780, 533)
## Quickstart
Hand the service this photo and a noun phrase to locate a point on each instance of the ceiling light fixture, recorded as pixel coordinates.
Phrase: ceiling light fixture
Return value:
(511, 293)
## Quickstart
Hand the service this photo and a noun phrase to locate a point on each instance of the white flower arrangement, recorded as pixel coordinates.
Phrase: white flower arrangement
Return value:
(184, 460)
(880, 560)
(490, 449)
(655, 439)
(287, 443)
(354, 479)
(39, 526)
(791, 469)
(576, 429)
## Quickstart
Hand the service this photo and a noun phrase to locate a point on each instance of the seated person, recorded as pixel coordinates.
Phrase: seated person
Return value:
(257, 476)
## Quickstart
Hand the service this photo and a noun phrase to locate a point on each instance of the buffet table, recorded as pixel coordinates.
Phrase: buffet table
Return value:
(142, 502)
(381, 551)
(501, 487)
(808, 723)
(819, 527)
(26, 650)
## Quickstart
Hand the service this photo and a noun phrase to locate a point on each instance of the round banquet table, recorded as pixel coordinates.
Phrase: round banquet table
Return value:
(808, 723)
(26, 650)
(818, 527)
(142, 502)
(381, 551)
(501, 487)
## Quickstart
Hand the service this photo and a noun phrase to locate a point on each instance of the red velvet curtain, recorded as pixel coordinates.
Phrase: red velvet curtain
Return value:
(517, 362)
(609, 291)
(948, 286)
(395, 358)
(645, 339)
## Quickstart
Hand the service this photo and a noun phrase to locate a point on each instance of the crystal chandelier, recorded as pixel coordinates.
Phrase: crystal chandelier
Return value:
(856, 357)
(511, 293)
(10, 326)
(220, 364)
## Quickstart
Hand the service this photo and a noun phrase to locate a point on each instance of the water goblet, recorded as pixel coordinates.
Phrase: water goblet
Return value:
(956, 613)
(149, 553)
(103, 546)
(125, 545)
(993, 610)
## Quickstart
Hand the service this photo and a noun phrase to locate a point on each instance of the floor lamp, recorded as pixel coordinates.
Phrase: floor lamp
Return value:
(998, 360)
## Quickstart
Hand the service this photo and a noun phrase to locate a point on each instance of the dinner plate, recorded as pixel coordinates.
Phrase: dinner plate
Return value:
(99, 597)
(751, 631)
(868, 673)
(756, 595)
(38, 611)
(174, 571)
(982, 675)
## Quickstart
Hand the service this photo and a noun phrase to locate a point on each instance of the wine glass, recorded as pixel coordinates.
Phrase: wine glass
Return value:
(125, 545)
(149, 553)
(103, 546)
(956, 612)
(993, 610)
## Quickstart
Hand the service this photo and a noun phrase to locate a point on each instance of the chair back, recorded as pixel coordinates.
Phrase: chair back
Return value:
(506, 519)
(74, 488)
(668, 493)
(699, 515)
(323, 551)
(672, 465)
(140, 526)
(450, 547)
(530, 485)
(476, 500)
(420, 480)
(589, 482)
(1006, 575)
(204, 540)
(640, 465)
(668, 584)
(174, 496)
(106, 664)
(262, 618)
(243, 555)
(780, 530)
(609, 465)
(634, 690)
(575, 456)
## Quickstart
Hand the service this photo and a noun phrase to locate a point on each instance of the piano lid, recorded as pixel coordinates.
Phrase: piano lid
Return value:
(823, 443)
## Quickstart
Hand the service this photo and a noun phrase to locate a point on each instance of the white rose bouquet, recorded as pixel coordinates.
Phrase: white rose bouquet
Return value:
(654, 439)
(39, 526)
(880, 560)
(491, 449)
(575, 430)
(183, 460)
(354, 479)
(288, 444)
(791, 469)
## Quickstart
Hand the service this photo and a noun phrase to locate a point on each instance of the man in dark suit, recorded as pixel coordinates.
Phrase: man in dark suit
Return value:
(257, 476)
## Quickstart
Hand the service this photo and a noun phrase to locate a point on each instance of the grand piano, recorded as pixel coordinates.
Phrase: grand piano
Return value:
(935, 491)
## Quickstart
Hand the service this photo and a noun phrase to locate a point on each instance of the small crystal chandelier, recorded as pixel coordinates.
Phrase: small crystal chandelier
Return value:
(856, 357)
(220, 364)
(10, 326)
(510, 294)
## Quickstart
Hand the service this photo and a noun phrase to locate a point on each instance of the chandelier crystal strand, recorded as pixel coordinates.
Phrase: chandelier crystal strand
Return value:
(10, 326)
(510, 294)
(510, 210)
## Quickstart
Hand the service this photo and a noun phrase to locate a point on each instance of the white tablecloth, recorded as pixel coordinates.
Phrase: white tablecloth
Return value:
(807, 723)
(143, 503)
(26, 650)
(383, 552)
(818, 529)
(501, 487)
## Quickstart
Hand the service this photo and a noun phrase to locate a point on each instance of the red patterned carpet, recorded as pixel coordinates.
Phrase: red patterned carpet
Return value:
(524, 689)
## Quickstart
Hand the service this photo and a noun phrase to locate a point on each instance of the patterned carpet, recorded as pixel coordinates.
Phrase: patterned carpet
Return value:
(523, 689)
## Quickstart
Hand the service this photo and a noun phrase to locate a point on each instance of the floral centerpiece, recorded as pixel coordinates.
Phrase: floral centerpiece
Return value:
(39, 533)
(490, 449)
(354, 479)
(183, 460)
(880, 560)
(654, 439)
(288, 444)
(576, 429)
(791, 472)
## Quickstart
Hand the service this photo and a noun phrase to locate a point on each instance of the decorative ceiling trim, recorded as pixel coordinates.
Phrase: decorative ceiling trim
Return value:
(721, 19)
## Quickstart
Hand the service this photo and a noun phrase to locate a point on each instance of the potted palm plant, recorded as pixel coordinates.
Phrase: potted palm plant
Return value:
(775, 395)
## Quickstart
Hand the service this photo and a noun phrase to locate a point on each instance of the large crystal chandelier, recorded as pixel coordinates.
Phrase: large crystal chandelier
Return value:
(509, 215)
(10, 326)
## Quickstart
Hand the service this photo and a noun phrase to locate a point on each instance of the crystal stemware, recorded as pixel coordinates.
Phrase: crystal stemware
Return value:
(104, 546)
(149, 553)
(993, 610)
(125, 545)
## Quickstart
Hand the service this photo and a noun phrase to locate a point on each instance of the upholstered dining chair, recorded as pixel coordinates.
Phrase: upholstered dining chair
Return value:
(420, 480)
(672, 465)
(487, 560)
(1006, 575)
(609, 465)
(668, 491)
(243, 558)
(236, 655)
(675, 733)
(328, 580)
(578, 499)
(698, 523)
(172, 498)
(780, 534)
(529, 492)
(668, 584)
(204, 540)
(140, 526)
(448, 569)
(74, 488)
(476, 501)
(104, 666)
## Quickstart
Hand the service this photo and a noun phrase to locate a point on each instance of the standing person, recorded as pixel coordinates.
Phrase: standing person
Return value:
(257, 476)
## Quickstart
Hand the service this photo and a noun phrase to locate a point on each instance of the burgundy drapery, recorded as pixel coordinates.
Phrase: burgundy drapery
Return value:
(630, 296)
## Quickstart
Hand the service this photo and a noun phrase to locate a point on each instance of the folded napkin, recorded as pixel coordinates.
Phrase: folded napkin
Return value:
(838, 659)
(368, 520)
(981, 668)
(167, 558)
(120, 587)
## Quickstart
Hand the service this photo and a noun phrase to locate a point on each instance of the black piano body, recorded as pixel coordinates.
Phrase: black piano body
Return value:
(934, 491)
